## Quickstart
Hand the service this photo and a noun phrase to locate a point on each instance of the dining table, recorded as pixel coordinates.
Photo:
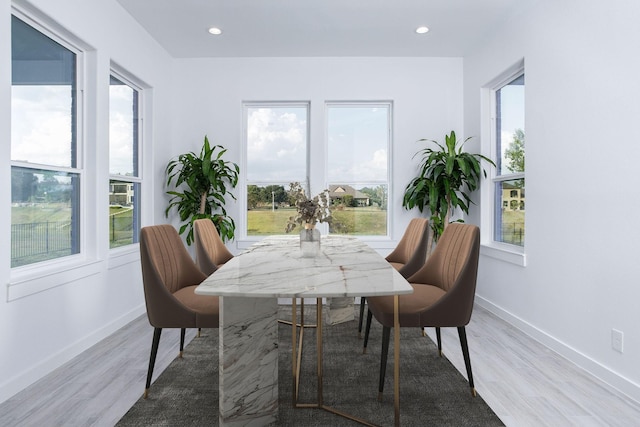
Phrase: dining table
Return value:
(250, 286)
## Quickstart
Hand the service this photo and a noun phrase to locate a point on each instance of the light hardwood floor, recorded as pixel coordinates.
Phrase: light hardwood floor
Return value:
(525, 383)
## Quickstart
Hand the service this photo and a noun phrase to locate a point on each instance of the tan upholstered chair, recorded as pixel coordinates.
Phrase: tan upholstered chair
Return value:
(409, 255)
(444, 289)
(211, 253)
(170, 277)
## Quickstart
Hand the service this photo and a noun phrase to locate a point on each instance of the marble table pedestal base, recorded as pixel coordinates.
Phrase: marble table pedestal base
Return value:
(248, 361)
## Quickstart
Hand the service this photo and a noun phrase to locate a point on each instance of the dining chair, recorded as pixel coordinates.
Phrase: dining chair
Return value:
(444, 290)
(170, 277)
(408, 256)
(211, 252)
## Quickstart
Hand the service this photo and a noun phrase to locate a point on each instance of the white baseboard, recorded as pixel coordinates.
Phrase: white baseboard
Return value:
(24, 379)
(621, 384)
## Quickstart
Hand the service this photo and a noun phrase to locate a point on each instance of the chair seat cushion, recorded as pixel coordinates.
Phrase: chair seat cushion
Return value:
(205, 307)
(410, 306)
(397, 265)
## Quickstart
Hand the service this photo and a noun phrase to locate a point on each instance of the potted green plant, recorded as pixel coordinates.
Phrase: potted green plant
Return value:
(201, 183)
(447, 175)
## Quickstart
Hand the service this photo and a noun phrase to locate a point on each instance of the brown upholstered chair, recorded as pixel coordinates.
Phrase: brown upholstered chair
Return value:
(444, 290)
(170, 277)
(211, 253)
(408, 256)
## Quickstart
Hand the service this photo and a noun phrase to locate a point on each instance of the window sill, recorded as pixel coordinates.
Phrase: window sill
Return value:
(32, 280)
(123, 256)
(507, 253)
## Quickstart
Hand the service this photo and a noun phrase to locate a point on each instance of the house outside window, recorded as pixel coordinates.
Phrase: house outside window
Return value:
(509, 178)
(124, 161)
(358, 146)
(46, 173)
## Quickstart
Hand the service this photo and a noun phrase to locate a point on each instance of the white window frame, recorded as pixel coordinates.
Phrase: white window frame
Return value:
(136, 85)
(37, 277)
(241, 229)
(490, 247)
(366, 104)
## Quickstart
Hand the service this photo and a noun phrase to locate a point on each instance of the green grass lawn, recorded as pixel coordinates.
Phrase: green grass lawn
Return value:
(43, 231)
(513, 227)
(120, 226)
(357, 221)
(53, 212)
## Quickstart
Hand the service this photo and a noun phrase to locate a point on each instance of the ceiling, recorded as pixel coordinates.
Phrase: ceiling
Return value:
(285, 28)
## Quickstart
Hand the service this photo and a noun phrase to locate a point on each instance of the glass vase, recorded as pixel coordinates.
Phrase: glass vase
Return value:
(309, 242)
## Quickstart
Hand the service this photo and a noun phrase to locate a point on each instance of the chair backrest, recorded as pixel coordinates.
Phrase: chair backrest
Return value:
(410, 254)
(453, 266)
(211, 253)
(166, 268)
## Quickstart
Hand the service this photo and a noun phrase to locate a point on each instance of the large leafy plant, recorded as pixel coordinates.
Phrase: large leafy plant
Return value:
(447, 175)
(201, 184)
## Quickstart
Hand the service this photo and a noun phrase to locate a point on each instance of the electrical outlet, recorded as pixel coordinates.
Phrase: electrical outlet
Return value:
(617, 340)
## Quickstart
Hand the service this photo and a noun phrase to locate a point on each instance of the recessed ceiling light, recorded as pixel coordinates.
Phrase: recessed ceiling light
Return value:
(215, 31)
(422, 30)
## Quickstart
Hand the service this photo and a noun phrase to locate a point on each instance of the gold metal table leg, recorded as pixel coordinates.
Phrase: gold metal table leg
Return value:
(396, 359)
(294, 364)
(296, 354)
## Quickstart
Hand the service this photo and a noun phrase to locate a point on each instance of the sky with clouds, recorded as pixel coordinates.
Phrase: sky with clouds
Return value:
(277, 144)
(121, 138)
(357, 144)
(41, 124)
(512, 115)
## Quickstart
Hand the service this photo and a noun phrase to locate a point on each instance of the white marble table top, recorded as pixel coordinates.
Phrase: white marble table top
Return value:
(275, 267)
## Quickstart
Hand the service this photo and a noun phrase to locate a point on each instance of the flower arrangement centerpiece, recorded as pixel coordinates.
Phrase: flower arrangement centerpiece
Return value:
(309, 211)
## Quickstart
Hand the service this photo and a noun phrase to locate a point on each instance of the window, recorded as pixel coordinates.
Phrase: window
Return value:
(124, 181)
(509, 180)
(45, 170)
(358, 141)
(356, 170)
(276, 155)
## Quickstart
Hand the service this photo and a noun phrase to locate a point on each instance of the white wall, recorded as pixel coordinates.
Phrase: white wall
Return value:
(97, 295)
(426, 95)
(582, 102)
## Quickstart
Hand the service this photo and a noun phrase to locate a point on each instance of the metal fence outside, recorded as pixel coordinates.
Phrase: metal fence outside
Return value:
(39, 241)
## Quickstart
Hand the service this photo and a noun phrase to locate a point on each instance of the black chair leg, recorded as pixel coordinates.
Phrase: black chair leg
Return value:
(152, 358)
(362, 301)
(199, 330)
(386, 334)
(439, 339)
(182, 332)
(366, 331)
(467, 361)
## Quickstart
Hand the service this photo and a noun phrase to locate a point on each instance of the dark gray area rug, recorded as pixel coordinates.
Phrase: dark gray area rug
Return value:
(432, 391)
